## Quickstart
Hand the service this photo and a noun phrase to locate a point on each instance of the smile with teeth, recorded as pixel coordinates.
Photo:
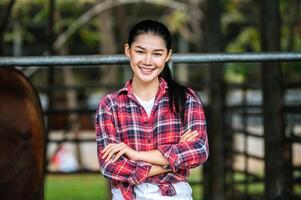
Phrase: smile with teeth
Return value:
(146, 69)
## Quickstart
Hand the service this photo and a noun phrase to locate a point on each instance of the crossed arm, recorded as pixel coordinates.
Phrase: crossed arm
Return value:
(121, 163)
(154, 157)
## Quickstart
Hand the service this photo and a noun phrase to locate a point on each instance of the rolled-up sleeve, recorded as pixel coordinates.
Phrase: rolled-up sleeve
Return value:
(123, 170)
(192, 153)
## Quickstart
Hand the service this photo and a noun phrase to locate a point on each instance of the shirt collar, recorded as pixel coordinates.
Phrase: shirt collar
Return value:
(129, 90)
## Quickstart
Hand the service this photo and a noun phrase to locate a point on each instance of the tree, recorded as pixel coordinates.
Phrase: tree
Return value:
(5, 22)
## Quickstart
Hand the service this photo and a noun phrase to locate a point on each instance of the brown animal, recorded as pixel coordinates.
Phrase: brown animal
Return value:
(22, 138)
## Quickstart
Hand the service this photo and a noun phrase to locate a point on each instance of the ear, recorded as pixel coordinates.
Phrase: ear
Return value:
(168, 56)
(127, 50)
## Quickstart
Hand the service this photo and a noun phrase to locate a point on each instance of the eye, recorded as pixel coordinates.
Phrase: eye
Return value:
(139, 52)
(157, 54)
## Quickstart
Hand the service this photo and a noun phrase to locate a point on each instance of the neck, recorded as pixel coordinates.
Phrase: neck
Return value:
(145, 91)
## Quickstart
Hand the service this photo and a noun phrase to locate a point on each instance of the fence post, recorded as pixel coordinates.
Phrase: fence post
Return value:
(214, 176)
(50, 71)
(277, 156)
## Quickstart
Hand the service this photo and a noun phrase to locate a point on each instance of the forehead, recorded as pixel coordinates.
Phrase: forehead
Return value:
(149, 41)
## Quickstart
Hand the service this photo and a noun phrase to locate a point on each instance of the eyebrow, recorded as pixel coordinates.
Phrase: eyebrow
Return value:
(145, 49)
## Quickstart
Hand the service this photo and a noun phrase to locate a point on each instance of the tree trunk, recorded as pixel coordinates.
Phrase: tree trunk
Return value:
(182, 73)
(50, 72)
(108, 45)
(4, 24)
(72, 103)
(294, 17)
(18, 40)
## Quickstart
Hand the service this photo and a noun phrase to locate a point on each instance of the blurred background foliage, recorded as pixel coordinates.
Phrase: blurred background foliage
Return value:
(105, 32)
(98, 27)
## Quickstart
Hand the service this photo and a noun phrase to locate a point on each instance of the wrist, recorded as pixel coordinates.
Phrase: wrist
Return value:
(139, 156)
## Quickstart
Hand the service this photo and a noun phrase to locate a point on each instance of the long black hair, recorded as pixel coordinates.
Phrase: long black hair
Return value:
(176, 92)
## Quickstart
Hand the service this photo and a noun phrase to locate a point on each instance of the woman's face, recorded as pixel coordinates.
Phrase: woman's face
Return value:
(148, 55)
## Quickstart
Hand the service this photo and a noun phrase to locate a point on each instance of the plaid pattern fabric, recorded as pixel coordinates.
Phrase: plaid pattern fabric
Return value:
(120, 118)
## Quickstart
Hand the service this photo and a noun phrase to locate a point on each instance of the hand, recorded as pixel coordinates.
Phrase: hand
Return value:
(117, 150)
(188, 136)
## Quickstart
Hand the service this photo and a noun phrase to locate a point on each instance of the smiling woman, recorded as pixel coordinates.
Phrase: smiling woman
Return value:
(148, 55)
(153, 130)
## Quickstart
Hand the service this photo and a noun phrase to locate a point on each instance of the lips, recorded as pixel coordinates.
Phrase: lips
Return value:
(146, 70)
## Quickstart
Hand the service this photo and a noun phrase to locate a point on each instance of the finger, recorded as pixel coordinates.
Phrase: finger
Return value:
(110, 149)
(185, 134)
(113, 152)
(190, 136)
(107, 149)
(119, 154)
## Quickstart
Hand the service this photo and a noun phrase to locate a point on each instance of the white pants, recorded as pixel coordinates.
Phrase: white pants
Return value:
(148, 191)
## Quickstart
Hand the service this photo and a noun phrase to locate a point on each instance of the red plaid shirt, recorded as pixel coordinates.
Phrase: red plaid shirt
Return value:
(120, 118)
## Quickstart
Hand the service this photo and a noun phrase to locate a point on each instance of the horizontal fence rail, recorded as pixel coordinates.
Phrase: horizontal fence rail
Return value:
(122, 59)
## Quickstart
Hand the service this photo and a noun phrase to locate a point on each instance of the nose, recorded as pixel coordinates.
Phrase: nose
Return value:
(148, 59)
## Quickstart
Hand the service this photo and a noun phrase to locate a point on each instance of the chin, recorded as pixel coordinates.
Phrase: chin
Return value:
(147, 79)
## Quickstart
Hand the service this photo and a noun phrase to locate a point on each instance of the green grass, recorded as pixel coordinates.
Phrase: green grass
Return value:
(91, 187)
(297, 190)
(197, 190)
(75, 187)
(94, 187)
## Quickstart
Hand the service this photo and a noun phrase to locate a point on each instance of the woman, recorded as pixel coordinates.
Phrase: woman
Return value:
(150, 132)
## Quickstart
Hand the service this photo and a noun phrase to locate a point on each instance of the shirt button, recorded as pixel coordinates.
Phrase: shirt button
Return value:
(148, 140)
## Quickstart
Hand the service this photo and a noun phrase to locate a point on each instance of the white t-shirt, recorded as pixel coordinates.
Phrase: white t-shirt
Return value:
(149, 191)
(147, 105)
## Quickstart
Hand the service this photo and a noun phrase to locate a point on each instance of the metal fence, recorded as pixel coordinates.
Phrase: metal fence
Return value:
(121, 59)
